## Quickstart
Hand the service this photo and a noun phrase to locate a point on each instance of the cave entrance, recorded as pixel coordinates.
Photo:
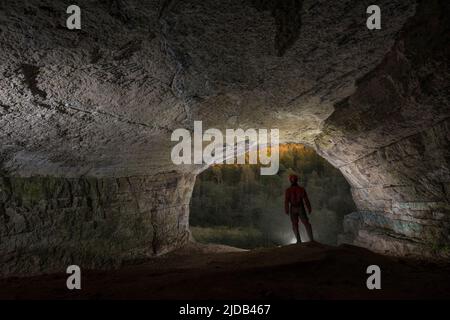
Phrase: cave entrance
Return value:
(235, 205)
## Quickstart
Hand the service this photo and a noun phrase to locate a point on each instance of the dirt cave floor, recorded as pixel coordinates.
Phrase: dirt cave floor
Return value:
(301, 271)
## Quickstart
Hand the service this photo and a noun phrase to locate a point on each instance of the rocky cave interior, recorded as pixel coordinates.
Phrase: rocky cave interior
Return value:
(86, 117)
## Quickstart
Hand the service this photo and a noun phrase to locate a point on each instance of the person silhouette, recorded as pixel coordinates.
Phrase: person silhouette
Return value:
(294, 205)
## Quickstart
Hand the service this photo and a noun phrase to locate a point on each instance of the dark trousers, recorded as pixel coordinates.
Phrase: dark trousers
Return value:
(299, 214)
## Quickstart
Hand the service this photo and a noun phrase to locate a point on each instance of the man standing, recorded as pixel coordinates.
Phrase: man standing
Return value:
(294, 205)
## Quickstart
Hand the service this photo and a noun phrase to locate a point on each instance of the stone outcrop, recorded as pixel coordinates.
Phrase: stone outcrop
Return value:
(85, 109)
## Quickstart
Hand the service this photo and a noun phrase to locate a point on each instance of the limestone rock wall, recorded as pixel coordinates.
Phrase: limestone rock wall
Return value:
(49, 223)
(390, 138)
(403, 194)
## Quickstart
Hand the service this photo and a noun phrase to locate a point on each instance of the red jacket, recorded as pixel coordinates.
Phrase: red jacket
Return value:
(295, 197)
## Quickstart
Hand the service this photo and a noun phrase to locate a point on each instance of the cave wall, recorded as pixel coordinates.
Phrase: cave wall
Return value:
(403, 193)
(390, 138)
(47, 223)
(102, 102)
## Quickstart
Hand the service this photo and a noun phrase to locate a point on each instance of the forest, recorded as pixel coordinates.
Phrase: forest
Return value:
(235, 205)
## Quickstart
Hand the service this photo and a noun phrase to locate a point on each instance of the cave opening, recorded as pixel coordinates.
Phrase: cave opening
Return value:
(234, 205)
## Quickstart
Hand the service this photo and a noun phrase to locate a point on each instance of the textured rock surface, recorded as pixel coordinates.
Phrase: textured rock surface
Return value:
(48, 223)
(102, 102)
(391, 140)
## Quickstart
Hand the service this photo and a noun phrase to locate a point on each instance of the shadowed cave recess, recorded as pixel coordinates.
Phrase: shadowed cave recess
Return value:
(86, 118)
